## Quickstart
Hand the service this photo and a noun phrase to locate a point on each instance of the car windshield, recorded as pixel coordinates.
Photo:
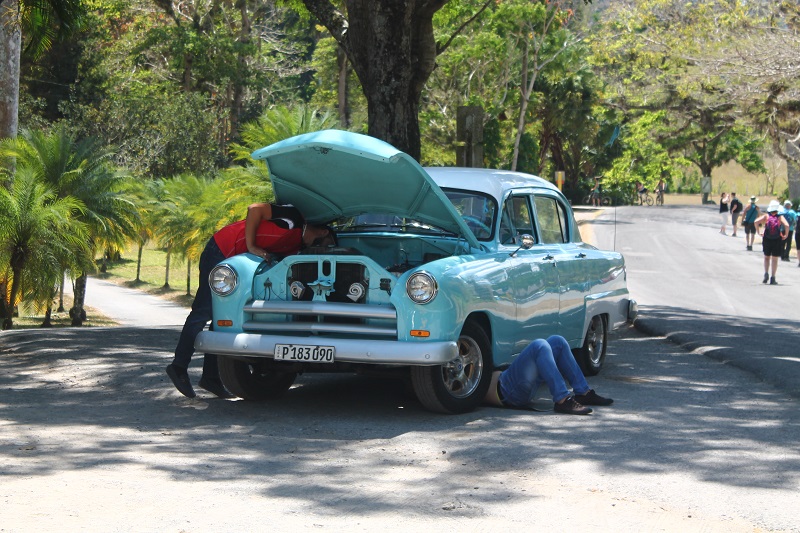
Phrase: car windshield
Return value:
(384, 223)
(476, 210)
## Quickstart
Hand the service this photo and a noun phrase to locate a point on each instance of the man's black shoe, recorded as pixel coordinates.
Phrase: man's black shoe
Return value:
(180, 378)
(570, 406)
(215, 386)
(592, 398)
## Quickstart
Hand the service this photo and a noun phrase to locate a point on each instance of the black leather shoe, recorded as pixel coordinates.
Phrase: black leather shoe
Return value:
(180, 378)
(215, 386)
(592, 398)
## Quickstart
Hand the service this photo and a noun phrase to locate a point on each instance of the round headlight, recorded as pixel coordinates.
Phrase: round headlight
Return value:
(421, 287)
(223, 280)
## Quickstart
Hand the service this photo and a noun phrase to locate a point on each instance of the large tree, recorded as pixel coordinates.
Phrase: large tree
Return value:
(392, 49)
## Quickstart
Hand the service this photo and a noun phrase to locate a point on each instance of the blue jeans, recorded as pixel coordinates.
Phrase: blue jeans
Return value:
(200, 315)
(550, 362)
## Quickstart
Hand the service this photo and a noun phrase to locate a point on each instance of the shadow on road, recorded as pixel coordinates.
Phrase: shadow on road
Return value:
(99, 398)
(766, 347)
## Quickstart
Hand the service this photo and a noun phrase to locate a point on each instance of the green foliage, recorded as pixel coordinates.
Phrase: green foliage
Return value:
(39, 234)
(278, 124)
(643, 158)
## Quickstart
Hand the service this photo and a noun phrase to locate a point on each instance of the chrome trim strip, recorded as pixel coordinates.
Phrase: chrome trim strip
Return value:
(320, 327)
(322, 308)
(347, 350)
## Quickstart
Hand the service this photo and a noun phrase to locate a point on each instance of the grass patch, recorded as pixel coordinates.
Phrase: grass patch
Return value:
(29, 320)
(152, 274)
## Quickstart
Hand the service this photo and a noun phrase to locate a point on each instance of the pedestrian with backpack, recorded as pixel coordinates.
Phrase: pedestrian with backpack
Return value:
(791, 217)
(736, 210)
(776, 229)
(751, 213)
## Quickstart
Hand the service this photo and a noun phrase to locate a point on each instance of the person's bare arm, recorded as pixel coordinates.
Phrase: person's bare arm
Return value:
(256, 213)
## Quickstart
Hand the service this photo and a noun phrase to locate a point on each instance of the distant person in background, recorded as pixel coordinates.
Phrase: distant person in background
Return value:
(791, 218)
(724, 199)
(736, 210)
(596, 192)
(641, 190)
(775, 232)
(661, 188)
(751, 213)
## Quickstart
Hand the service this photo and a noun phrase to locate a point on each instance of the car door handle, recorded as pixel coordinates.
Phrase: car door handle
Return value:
(581, 255)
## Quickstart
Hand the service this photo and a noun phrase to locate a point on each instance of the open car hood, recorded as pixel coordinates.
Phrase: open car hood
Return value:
(331, 173)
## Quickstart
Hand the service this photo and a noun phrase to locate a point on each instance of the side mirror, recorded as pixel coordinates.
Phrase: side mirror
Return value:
(527, 243)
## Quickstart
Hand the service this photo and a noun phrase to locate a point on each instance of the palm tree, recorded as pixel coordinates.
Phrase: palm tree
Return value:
(37, 230)
(82, 170)
(278, 124)
(187, 217)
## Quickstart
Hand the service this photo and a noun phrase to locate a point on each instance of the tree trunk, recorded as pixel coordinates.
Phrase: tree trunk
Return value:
(10, 48)
(166, 274)
(4, 305)
(47, 322)
(61, 292)
(188, 277)
(344, 104)
(139, 263)
(78, 313)
(392, 49)
(16, 272)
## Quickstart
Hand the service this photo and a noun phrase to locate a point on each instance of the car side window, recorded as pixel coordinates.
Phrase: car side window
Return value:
(552, 220)
(517, 219)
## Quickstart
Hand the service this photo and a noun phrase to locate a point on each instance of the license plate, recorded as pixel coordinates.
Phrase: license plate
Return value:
(304, 353)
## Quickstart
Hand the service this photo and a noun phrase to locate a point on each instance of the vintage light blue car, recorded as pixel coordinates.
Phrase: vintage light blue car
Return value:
(440, 274)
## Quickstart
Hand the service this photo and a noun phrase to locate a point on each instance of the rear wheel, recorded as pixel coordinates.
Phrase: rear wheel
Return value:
(253, 381)
(591, 355)
(460, 385)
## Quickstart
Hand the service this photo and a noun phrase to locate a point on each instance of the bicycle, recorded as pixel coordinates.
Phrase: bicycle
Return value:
(645, 198)
(659, 197)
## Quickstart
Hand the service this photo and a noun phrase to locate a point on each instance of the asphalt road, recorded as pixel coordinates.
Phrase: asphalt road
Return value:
(94, 437)
(704, 291)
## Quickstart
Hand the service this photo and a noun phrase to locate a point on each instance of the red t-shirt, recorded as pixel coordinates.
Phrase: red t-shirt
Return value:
(280, 235)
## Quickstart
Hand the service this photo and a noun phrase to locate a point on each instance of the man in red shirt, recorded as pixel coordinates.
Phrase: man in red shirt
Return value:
(268, 229)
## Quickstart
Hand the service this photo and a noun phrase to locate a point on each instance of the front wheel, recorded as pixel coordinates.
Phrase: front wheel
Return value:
(460, 385)
(649, 200)
(591, 355)
(253, 380)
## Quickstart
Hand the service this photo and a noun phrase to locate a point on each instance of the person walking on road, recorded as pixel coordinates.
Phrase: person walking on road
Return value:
(596, 192)
(724, 199)
(267, 229)
(736, 210)
(749, 217)
(775, 231)
(544, 362)
(791, 218)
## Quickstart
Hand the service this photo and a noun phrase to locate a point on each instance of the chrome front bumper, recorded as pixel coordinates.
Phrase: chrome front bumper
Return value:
(347, 350)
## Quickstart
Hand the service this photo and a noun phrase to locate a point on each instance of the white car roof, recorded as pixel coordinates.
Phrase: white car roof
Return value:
(490, 181)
